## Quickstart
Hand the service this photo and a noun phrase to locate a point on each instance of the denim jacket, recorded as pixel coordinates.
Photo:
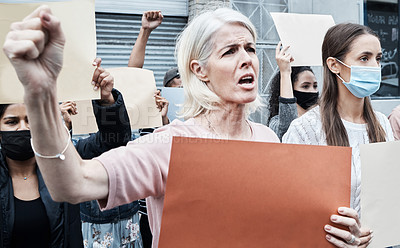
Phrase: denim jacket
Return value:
(90, 211)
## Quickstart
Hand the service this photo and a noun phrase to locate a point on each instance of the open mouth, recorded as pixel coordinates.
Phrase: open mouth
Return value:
(246, 80)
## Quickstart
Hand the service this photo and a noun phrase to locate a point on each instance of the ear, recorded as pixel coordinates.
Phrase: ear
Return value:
(199, 71)
(333, 65)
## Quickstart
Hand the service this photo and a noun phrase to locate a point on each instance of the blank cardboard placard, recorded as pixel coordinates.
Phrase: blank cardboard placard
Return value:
(304, 33)
(138, 87)
(175, 97)
(252, 194)
(78, 23)
(380, 195)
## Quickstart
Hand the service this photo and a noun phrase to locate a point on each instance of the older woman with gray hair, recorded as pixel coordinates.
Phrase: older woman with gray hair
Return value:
(219, 68)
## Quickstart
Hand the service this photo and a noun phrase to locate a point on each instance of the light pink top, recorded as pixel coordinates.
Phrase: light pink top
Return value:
(139, 170)
(394, 119)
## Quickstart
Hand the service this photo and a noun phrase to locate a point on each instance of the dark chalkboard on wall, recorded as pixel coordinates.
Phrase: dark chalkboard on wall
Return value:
(383, 18)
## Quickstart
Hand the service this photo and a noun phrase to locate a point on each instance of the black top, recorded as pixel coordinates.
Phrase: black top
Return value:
(31, 226)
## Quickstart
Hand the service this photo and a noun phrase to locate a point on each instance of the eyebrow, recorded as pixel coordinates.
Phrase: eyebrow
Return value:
(370, 53)
(10, 117)
(235, 45)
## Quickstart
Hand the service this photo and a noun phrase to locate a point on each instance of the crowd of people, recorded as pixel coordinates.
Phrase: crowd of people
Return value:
(89, 192)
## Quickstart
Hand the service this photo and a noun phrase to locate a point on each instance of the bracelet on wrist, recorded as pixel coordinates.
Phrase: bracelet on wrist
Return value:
(59, 155)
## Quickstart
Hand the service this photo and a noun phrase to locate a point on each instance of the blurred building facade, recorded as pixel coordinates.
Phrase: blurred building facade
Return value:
(118, 23)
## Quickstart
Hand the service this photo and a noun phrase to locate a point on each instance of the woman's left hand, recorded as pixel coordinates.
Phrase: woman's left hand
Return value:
(104, 81)
(162, 105)
(355, 236)
(68, 108)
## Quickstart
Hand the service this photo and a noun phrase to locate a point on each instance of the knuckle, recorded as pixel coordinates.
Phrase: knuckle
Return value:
(15, 26)
(352, 222)
(40, 36)
(12, 35)
(57, 22)
(46, 8)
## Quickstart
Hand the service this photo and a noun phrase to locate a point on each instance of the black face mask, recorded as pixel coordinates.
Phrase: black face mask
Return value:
(306, 99)
(16, 145)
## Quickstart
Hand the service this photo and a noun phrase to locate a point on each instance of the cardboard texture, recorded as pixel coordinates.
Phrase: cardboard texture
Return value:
(138, 88)
(252, 194)
(304, 33)
(380, 196)
(78, 23)
(175, 97)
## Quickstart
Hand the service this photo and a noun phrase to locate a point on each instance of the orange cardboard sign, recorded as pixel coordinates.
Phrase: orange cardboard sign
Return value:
(252, 194)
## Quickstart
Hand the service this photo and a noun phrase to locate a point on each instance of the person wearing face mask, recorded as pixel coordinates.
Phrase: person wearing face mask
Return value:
(345, 116)
(294, 90)
(28, 215)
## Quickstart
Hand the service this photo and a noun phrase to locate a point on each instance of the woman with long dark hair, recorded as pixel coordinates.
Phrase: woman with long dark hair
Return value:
(293, 91)
(351, 56)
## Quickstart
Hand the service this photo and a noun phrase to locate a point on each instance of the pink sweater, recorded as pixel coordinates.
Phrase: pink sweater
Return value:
(140, 169)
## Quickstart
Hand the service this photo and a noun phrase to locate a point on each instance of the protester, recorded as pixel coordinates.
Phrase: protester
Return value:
(116, 227)
(32, 218)
(219, 68)
(294, 90)
(172, 78)
(150, 21)
(345, 117)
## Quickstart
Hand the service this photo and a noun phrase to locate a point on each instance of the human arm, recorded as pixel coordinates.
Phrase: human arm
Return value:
(111, 118)
(103, 80)
(162, 105)
(287, 110)
(283, 59)
(287, 113)
(35, 49)
(387, 125)
(150, 21)
(114, 128)
(394, 120)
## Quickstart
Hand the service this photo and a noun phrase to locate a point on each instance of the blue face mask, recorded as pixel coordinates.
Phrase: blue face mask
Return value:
(364, 80)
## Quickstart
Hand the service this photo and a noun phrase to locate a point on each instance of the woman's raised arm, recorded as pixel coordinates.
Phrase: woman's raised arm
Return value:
(35, 48)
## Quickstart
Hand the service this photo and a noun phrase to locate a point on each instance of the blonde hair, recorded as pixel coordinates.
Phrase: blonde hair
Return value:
(196, 43)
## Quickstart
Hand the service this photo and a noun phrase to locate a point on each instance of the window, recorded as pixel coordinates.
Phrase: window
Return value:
(382, 16)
